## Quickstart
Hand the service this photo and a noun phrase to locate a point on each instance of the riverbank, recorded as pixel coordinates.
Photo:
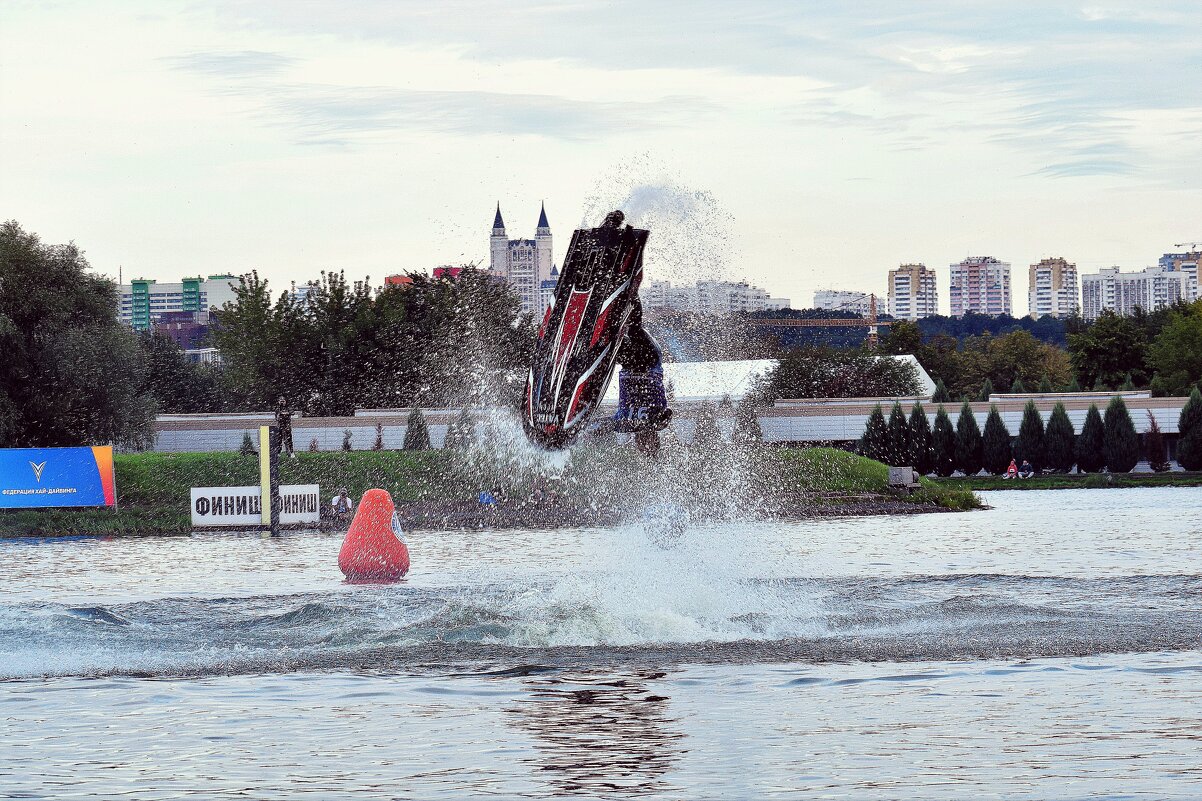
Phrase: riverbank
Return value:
(1072, 481)
(438, 489)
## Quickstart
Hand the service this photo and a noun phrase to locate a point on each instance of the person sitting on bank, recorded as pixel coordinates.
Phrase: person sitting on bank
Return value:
(1027, 470)
(342, 506)
(487, 498)
(1012, 470)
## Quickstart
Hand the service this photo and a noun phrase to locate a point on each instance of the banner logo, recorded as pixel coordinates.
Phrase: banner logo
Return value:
(37, 470)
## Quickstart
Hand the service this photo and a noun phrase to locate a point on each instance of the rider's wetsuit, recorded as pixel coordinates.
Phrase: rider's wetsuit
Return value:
(642, 403)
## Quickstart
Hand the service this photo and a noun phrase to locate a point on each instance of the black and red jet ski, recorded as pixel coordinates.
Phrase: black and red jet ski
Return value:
(583, 331)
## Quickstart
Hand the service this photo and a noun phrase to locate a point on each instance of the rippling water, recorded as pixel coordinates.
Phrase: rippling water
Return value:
(1050, 647)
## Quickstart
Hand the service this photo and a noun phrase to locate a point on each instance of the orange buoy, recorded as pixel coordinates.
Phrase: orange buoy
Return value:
(373, 549)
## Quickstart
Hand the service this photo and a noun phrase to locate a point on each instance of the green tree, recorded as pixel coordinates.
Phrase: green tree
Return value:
(378, 445)
(1074, 386)
(1045, 385)
(899, 437)
(1107, 350)
(1189, 428)
(747, 424)
(70, 374)
(1091, 451)
(922, 444)
(1176, 353)
(904, 338)
(941, 394)
(417, 434)
(1017, 388)
(706, 432)
(986, 391)
(1121, 442)
(1157, 457)
(177, 385)
(995, 449)
(1030, 443)
(1128, 384)
(460, 432)
(1059, 445)
(874, 442)
(968, 442)
(944, 440)
(827, 373)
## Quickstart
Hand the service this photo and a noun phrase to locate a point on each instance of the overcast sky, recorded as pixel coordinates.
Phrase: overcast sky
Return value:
(798, 145)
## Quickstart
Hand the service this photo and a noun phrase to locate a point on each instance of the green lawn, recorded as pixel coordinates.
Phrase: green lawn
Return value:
(1073, 481)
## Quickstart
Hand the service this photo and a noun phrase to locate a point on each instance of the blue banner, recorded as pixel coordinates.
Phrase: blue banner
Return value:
(37, 477)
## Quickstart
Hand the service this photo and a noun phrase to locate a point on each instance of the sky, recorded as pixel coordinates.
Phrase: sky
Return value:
(796, 145)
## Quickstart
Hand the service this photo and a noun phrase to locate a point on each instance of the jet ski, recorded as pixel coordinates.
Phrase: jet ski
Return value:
(585, 332)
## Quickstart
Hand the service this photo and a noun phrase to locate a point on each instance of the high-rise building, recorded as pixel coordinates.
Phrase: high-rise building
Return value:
(144, 301)
(843, 300)
(1185, 263)
(524, 263)
(912, 292)
(980, 284)
(1052, 289)
(1149, 289)
(710, 297)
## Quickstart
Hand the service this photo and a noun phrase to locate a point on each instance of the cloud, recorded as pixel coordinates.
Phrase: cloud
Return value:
(233, 64)
(1088, 167)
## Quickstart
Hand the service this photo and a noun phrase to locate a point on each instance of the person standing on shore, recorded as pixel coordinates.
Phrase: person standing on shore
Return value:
(283, 422)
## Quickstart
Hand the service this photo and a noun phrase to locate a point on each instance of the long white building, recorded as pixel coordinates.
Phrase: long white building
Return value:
(912, 292)
(1052, 289)
(1186, 263)
(843, 300)
(1149, 289)
(710, 297)
(524, 263)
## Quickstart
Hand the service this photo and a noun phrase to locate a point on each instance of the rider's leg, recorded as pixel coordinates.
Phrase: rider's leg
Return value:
(642, 402)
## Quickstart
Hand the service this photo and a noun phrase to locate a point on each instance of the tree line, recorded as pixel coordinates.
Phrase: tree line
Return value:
(1106, 441)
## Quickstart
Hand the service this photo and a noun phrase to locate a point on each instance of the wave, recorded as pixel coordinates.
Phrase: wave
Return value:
(689, 617)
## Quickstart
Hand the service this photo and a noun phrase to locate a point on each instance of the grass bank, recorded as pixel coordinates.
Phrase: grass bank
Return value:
(153, 488)
(1072, 481)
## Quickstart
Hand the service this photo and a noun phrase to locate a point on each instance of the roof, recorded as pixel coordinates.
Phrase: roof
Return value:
(542, 216)
(497, 221)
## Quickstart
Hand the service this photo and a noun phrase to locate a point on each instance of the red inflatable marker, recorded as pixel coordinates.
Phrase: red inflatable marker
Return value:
(373, 549)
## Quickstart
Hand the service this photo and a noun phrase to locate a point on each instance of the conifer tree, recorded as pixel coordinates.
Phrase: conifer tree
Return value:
(460, 432)
(747, 425)
(1121, 442)
(995, 448)
(874, 442)
(986, 390)
(1128, 384)
(1058, 441)
(248, 445)
(1189, 426)
(1074, 385)
(417, 433)
(706, 432)
(968, 442)
(1045, 385)
(922, 448)
(899, 437)
(1017, 388)
(1030, 443)
(944, 439)
(941, 394)
(346, 439)
(1157, 458)
(378, 445)
(1091, 453)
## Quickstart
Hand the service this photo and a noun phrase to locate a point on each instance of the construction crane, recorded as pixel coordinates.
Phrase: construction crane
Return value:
(1191, 245)
(870, 321)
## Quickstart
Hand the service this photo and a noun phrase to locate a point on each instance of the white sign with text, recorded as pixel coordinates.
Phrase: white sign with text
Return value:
(242, 506)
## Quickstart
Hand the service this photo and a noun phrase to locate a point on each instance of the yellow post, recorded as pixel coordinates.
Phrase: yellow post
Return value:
(265, 472)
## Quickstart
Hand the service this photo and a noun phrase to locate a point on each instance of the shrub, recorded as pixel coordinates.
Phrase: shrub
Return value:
(1030, 444)
(1121, 443)
(1017, 387)
(378, 445)
(417, 434)
(995, 450)
(922, 448)
(747, 424)
(899, 437)
(248, 445)
(941, 394)
(1045, 385)
(460, 432)
(944, 441)
(968, 442)
(1154, 440)
(1058, 447)
(986, 390)
(346, 439)
(1074, 386)
(874, 443)
(1091, 455)
(313, 447)
(706, 431)
(1189, 446)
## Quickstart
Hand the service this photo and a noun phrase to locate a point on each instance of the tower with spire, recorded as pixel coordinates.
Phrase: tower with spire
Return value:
(525, 264)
